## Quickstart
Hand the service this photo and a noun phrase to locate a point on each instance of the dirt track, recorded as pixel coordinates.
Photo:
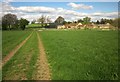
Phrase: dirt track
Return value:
(8, 56)
(43, 71)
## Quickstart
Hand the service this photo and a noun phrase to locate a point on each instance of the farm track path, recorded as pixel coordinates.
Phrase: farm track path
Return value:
(11, 54)
(43, 71)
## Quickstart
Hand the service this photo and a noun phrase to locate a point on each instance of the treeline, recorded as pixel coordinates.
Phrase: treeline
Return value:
(87, 20)
(60, 20)
(44, 20)
(114, 22)
(11, 22)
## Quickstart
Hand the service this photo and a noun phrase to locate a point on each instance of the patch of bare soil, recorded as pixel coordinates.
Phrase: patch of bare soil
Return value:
(22, 68)
(43, 71)
(8, 57)
(15, 76)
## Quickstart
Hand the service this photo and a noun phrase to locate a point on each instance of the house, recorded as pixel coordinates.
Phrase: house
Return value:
(104, 26)
(74, 26)
(80, 26)
(89, 26)
(36, 22)
(83, 26)
(61, 27)
(94, 25)
(67, 26)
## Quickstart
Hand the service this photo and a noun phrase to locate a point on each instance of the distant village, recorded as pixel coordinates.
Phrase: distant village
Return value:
(11, 22)
(60, 23)
(86, 26)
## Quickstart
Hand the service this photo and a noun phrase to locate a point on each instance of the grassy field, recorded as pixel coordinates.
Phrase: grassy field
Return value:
(0, 53)
(82, 54)
(71, 54)
(22, 64)
(10, 39)
(33, 25)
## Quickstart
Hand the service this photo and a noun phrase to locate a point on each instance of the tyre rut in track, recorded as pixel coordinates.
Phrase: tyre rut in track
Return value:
(43, 71)
(9, 56)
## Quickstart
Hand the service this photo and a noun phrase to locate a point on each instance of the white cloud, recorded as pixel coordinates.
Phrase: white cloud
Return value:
(7, 1)
(7, 7)
(37, 9)
(79, 6)
(34, 12)
(110, 14)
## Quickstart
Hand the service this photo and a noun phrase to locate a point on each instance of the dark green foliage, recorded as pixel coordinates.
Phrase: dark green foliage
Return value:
(23, 23)
(97, 22)
(33, 22)
(69, 22)
(80, 21)
(8, 21)
(16, 25)
(52, 25)
(116, 22)
(4, 26)
(74, 21)
(64, 22)
(86, 20)
(102, 21)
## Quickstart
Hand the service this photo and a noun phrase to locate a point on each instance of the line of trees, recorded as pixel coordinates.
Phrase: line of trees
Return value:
(87, 20)
(10, 22)
(43, 21)
(114, 22)
(104, 21)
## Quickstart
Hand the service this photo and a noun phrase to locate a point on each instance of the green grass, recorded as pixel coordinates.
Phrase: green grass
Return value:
(34, 25)
(22, 64)
(72, 54)
(82, 54)
(0, 53)
(10, 39)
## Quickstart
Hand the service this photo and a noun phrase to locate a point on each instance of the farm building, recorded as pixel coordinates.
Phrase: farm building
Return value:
(70, 26)
(83, 26)
(61, 27)
(80, 26)
(36, 22)
(104, 26)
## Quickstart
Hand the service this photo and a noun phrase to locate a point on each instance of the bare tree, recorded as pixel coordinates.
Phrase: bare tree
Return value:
(42, 20)
(33, 22)
(48, 20)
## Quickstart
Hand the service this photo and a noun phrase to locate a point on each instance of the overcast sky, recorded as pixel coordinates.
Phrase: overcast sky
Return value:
(69, 10)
